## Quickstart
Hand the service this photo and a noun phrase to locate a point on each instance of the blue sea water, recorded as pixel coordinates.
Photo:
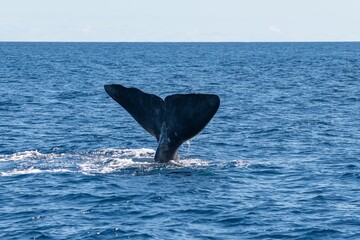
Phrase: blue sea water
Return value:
(280, 159)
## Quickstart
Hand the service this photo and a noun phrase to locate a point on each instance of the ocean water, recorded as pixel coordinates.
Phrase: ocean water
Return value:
(280, 159)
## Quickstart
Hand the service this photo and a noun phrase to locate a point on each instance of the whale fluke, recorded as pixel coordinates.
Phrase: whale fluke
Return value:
(172, 121)
(146, 109)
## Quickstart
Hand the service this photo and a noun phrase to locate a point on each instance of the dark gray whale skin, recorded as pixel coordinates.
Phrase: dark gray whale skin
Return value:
(172, 121)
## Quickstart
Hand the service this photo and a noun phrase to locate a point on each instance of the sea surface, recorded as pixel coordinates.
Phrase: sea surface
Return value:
(279, 160)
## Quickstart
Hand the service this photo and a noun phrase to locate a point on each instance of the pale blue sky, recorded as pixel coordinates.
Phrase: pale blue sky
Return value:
(179, 20)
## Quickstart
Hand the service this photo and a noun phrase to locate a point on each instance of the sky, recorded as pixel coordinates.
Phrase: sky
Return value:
(179, 20)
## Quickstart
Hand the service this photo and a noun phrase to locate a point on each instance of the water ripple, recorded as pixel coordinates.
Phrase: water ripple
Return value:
(280, 159)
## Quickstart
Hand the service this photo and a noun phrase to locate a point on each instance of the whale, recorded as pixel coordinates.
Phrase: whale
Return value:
(172, 121)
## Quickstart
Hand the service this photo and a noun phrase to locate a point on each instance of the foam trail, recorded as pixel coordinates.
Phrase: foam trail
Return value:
(22, 156)
(32, 171)
(94, 162)
(99, 162)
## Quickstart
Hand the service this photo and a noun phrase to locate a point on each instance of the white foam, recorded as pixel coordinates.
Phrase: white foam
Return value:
(25, 155)
(19, 156)
(94, 162)
(113, 160)
(136, 153)
(235, 163)
(189, 163)
(91, 167)
(32, 170)
(241, 163)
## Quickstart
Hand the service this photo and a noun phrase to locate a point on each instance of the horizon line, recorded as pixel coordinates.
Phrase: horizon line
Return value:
(306, 41)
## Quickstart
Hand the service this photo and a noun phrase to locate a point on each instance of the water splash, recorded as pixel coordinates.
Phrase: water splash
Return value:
(188, 143)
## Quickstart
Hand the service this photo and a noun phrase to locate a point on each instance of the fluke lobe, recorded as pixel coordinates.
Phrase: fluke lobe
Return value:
(172, 121)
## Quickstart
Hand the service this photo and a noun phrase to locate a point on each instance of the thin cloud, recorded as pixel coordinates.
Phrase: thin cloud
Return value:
(87, 29)
(275, 30)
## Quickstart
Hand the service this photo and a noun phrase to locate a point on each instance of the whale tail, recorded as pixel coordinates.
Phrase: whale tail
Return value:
(172, 121)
